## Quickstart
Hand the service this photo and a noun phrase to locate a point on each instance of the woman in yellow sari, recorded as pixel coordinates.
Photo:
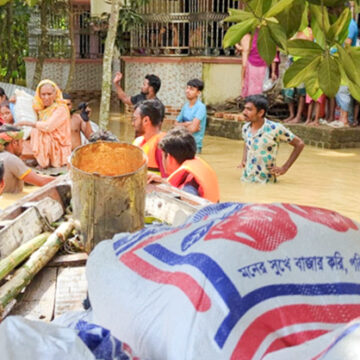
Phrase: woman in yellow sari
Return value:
(50, 139)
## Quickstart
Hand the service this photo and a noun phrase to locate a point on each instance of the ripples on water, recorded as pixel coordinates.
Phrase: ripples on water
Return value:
(323, 178)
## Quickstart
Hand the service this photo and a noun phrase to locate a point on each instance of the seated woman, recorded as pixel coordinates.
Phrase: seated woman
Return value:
(50, 139)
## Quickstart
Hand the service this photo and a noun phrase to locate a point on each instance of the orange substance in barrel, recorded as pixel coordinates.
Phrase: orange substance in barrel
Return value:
(109, 159)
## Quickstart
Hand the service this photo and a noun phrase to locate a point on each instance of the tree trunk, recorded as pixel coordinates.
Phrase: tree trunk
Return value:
(72, 48)
(107, 62)
(42, 50)
(9, 19)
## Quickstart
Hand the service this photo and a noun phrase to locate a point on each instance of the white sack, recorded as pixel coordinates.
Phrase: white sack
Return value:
(24, 111)
(235, 281)
(34, 340)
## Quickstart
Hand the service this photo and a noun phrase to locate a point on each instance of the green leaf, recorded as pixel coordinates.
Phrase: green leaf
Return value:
(318, 34)
(236, 32)
(304, 18)
(266, 45)
(32, 2)
(328, 2)
(354, 88)
(3, 2)
(260, 7)
(321, 19)
(354, 53)
(351, 70)
(329, 76)
(313, 88)
(237, 15)
(340, 26)
(300, 70)
(290, 19)
(278, 8)
(344, 33)
(300, 47)
(278, 34)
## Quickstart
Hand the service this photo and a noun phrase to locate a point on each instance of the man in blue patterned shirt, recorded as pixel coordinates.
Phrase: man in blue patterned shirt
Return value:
(262, 138)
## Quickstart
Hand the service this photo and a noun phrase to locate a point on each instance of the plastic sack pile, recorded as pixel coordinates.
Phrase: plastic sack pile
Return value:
(21, 338)
(235, 281)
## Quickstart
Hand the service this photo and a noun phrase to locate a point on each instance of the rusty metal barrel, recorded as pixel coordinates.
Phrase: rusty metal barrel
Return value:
(108, 189)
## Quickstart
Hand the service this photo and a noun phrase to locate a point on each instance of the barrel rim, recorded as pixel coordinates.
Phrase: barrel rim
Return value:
(73, 167)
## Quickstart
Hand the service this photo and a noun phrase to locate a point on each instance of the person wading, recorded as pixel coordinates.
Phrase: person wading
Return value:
(261, 142)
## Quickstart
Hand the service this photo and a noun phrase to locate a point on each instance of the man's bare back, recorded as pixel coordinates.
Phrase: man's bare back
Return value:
(78, 125)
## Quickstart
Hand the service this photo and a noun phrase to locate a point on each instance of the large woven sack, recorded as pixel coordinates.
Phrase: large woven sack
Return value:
(235, 281)
(24, 110)
(342, 343)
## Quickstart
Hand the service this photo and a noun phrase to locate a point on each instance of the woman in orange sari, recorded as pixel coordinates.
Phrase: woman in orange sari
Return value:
(50, 139)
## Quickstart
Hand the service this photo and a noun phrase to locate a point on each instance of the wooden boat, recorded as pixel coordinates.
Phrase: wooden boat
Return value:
(61, 286)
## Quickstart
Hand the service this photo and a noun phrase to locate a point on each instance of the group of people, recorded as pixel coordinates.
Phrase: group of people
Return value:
(340, 111)
(256, 76)
(53, 136)
(172, 156)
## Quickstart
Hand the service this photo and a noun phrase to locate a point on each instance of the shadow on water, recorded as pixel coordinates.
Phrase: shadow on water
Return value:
(323, 178)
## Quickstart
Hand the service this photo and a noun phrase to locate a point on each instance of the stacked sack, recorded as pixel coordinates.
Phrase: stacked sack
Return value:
(235, 281)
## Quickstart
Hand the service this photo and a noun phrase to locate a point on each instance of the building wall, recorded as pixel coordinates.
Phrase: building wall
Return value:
(173, 75)
(88, 73)
(222, 77)
(222, 81)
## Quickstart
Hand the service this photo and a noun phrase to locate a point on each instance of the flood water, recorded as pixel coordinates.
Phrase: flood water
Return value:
(323, 178)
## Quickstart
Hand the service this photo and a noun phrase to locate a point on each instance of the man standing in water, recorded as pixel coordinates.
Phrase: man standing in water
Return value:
(148, 91)
(193, 113)
(146, 121)
(186, 171)
(261, 142)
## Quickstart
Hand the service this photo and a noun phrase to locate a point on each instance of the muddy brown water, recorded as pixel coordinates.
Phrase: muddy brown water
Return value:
(323, 178)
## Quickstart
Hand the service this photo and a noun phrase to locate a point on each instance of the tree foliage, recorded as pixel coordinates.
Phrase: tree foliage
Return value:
(129, 17)
(325, 63)
(14, 17)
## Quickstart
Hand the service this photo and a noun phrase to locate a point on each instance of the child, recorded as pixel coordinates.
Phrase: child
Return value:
(321, 100)
(193, 113)
(5, 113)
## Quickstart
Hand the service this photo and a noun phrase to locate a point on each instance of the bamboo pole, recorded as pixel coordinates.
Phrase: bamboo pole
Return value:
(36, 262)
(20, 254)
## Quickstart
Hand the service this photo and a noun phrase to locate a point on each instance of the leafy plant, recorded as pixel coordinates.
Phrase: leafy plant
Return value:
(325, 63)
(128, 19)
(14, 17)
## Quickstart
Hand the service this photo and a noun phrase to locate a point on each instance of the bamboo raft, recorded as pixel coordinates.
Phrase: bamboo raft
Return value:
(61, 285)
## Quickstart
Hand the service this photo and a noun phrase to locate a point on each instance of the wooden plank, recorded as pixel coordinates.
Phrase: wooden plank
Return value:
(38, 301)
(171, 205)
(25, 228)
(71, 289)
(28, 225)
(52, 190)
(77, 259)
(174, 192)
